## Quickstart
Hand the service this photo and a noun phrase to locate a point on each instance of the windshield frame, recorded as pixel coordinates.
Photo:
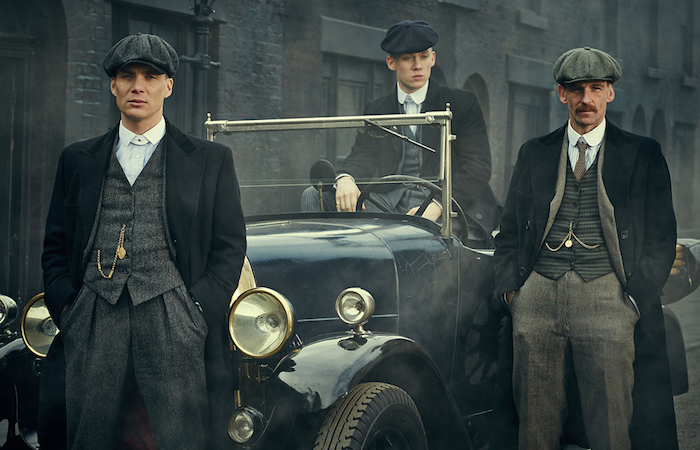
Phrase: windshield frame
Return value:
(441, 118)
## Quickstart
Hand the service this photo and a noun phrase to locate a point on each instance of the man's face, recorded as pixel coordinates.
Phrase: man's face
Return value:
(140, 93)
(412, 69)
(587, 102)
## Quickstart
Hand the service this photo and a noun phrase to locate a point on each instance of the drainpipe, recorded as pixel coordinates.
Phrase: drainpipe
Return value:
(201, 62)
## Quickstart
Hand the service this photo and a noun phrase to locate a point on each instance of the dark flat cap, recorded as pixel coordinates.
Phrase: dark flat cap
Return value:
(409, 37)
(145, 49)
(586, 64)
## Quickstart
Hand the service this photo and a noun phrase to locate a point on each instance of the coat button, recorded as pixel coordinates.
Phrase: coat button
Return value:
(527, 225)
(522, 271)
(572, 264)
(479, 216)
(624, 234)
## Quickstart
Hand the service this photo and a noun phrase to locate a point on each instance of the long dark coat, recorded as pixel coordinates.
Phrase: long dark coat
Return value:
(637, 182)
(471, 155)
(207, 232)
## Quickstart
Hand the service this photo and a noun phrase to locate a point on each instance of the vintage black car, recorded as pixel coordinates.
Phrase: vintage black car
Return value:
(359, 330)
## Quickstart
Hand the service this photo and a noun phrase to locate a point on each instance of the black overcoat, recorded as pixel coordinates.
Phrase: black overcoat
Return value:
(638, 185)
(377, 153)
(206, 229)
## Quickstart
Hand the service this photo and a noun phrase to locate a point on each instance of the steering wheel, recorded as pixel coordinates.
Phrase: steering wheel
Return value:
(434, 191)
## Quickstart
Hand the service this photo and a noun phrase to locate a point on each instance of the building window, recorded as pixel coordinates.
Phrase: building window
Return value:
(654, 33)
(687, 38)
(528, 117)
(348, 84)
(682, 167)
(610, 26)
(532, 5)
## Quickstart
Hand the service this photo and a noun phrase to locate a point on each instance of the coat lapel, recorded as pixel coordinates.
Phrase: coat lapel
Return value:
(390, 105)
(433, 102)
(184, 169)
(93, 167)
(620, 156)
(544, 170)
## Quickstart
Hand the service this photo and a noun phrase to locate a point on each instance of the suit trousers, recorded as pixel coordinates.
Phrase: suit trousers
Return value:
(158, 345)
(569, 325)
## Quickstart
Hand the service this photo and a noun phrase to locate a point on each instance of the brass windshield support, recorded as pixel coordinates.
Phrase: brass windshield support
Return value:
(445, 175)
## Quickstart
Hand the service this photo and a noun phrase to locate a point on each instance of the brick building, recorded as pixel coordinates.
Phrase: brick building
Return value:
(321, 57)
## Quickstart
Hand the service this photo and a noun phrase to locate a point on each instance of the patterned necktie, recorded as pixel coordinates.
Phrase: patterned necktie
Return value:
(411, 108)
(580, 166)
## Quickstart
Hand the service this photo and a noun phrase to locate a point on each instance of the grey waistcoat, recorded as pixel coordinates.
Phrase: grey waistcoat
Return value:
(148, 269)
(580, 206)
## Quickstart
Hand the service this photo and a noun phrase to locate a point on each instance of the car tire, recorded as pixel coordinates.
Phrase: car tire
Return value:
(373, 416)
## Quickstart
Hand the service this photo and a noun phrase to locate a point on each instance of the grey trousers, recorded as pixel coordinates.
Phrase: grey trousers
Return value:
(566, 325)
(162, 341)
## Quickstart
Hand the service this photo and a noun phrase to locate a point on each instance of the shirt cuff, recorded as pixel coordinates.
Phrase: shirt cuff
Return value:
(341, 175)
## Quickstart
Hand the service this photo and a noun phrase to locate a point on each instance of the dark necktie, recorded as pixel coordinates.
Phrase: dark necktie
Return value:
(580, 166)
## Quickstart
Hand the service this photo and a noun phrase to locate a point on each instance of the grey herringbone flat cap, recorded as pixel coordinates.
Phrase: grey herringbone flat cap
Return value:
(141, 48)
(409, 37)
(586, 64)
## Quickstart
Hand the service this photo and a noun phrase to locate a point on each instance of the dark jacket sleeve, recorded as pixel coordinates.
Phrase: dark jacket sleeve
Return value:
(657, 232)
(224, 254)
(471, 155)
(364, 157)
(507, 254)
(55, 261)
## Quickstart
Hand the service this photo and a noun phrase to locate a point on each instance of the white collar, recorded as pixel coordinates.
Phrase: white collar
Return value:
(593, 138)
(154, 135)
(418, 96)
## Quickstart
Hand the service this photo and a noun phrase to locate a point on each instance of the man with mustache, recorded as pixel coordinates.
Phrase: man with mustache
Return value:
(587, 241)
(145, 241)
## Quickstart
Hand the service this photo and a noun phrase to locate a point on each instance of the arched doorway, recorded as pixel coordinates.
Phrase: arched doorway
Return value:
(658, 129)
(639, 122)
(477, 85)
(32, 108)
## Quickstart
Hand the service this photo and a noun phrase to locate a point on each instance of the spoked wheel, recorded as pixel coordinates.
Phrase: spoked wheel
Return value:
(373, 416)
(434, 191)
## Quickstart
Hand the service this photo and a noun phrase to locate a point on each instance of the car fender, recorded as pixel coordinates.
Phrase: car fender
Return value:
(316, 376)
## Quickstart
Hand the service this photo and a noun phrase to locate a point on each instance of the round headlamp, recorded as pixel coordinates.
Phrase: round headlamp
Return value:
(260, 322)
(8, 311)
(243, 424)
(38, 328)
(355, 307)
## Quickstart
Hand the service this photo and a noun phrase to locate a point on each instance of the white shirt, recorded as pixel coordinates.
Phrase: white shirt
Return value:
(134, 157)
(593, 138)
(414, 106)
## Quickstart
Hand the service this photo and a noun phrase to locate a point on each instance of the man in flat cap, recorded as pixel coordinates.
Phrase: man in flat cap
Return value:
(411, 57)
(144, 245)
(587, 241)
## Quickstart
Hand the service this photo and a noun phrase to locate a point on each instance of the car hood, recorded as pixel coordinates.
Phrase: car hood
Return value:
(311, 261)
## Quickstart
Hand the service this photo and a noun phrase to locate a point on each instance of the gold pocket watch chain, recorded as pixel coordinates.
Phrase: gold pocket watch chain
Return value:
(567, 242)
(119, 254)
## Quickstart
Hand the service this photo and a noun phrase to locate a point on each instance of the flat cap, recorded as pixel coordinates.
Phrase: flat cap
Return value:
(586, 64)
(147, 49)
(409, 36)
